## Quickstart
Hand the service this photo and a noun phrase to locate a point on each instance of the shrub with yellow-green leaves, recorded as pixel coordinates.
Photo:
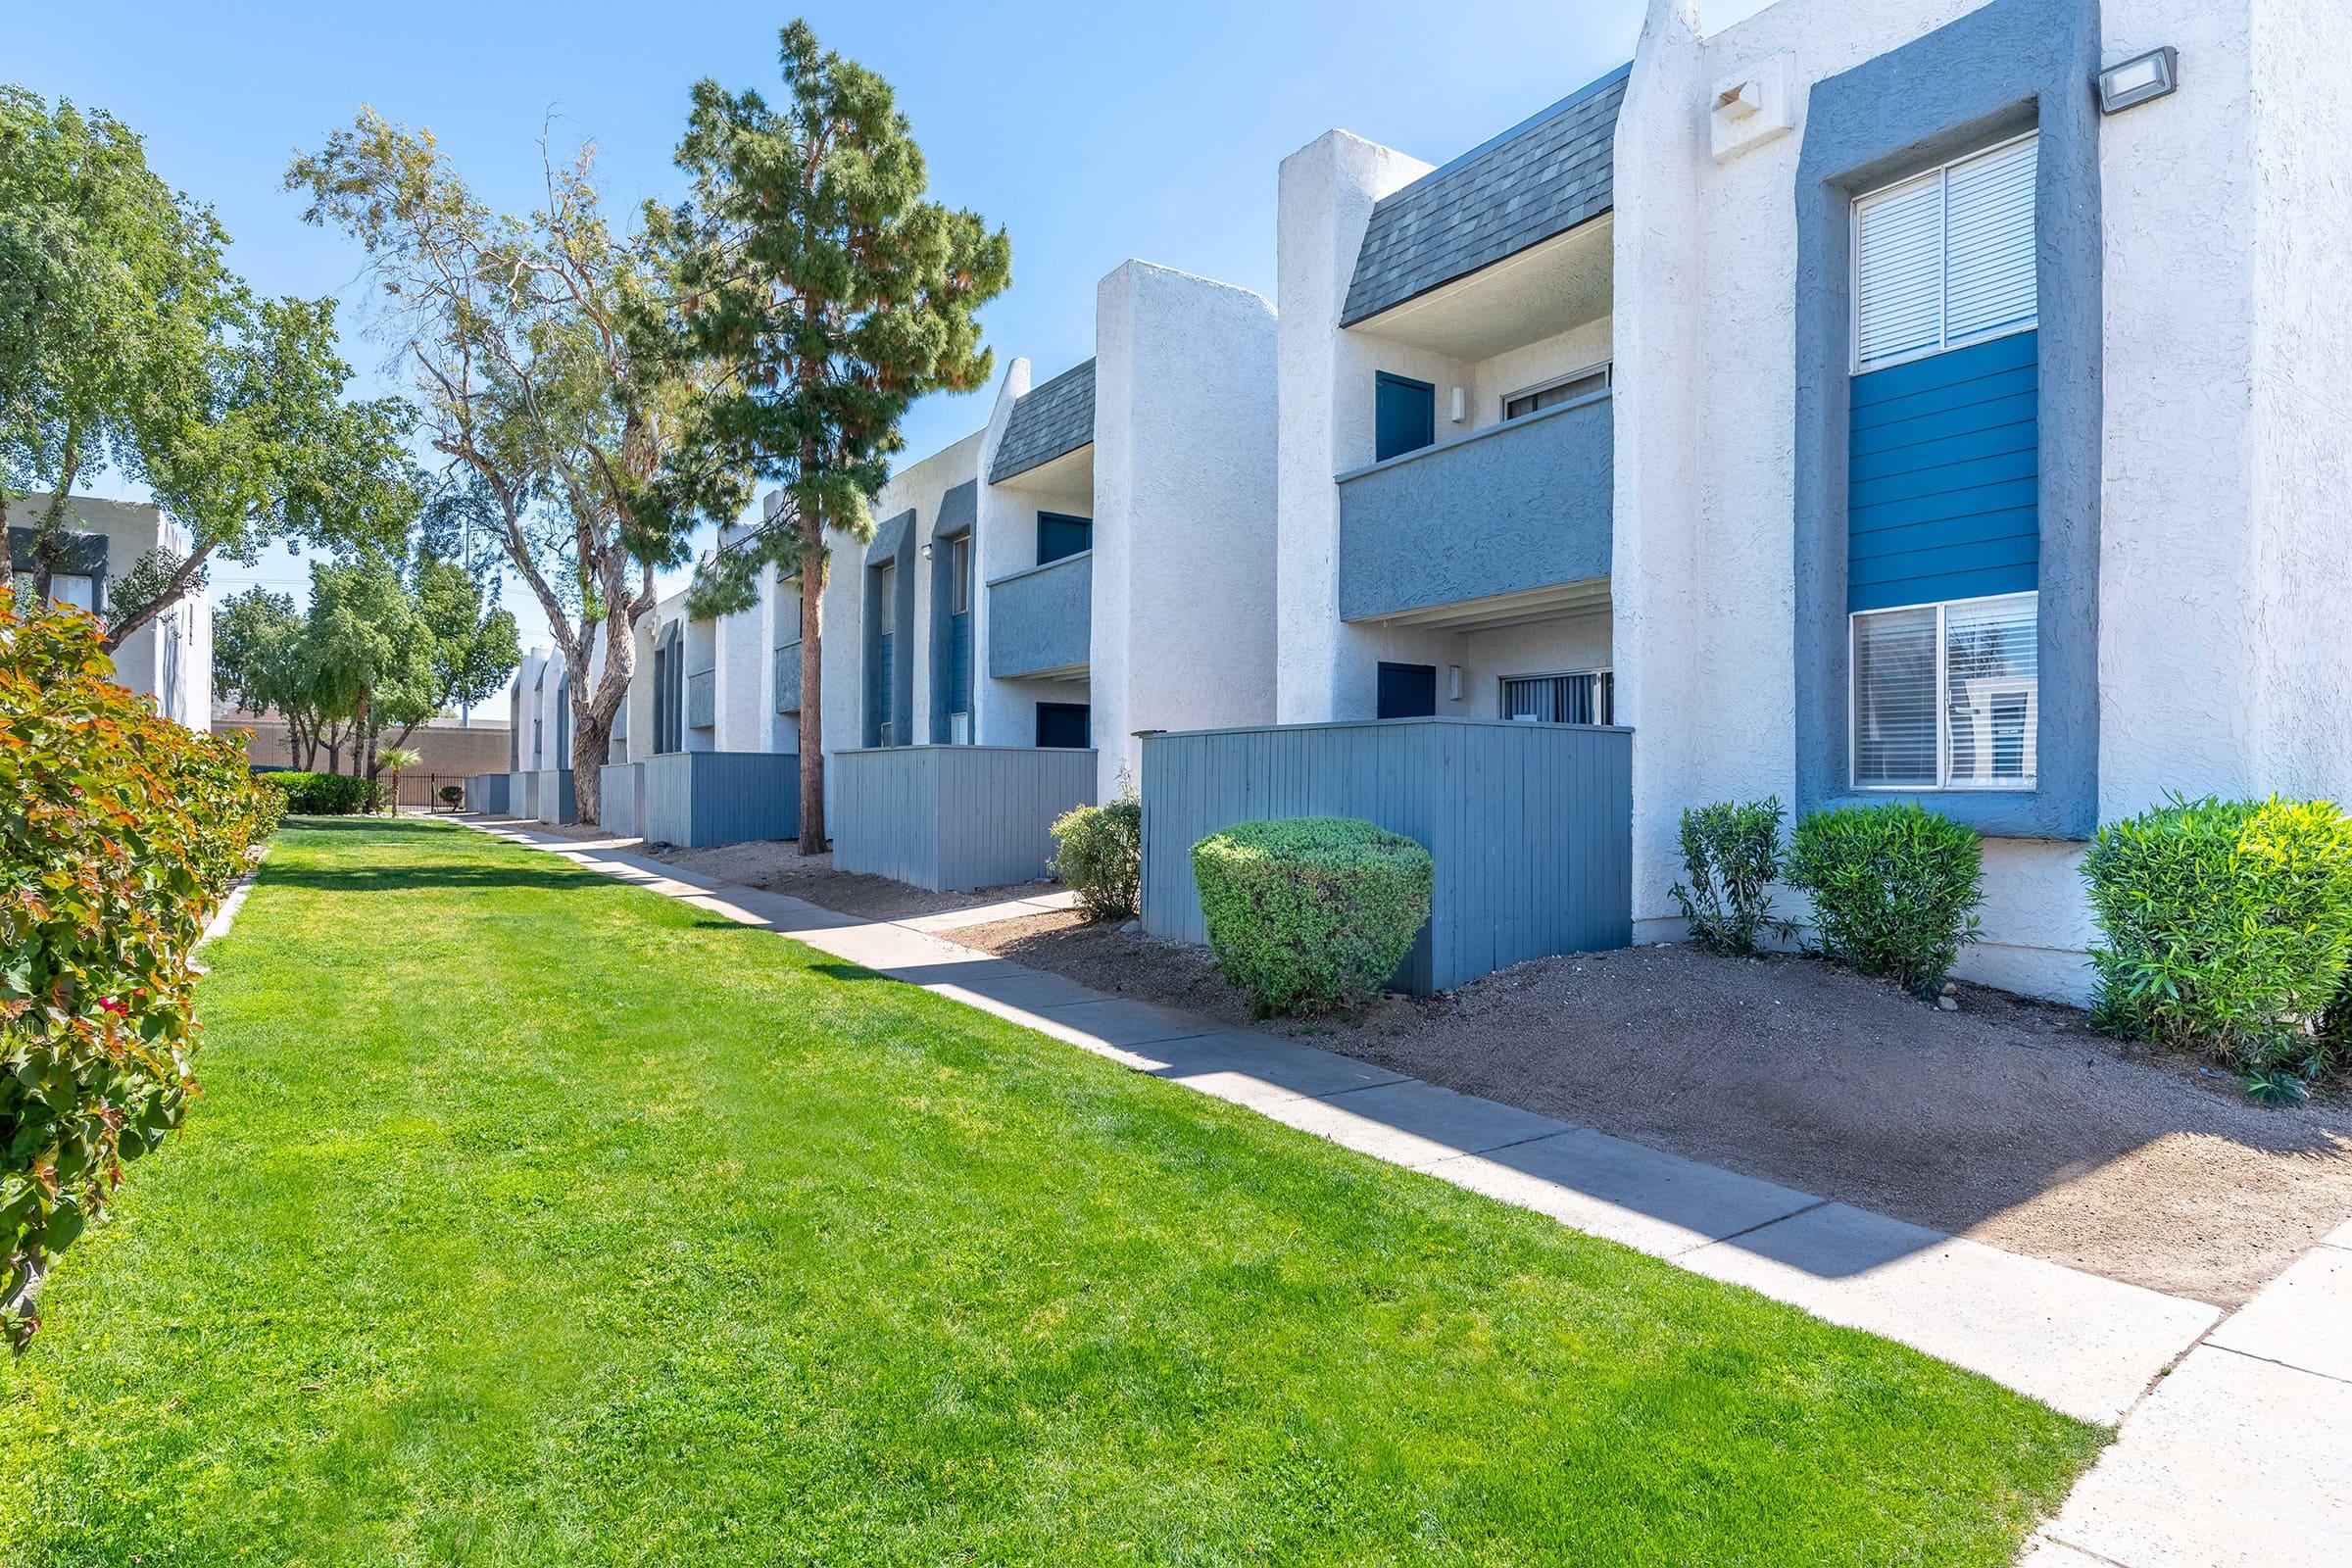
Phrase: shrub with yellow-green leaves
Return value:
(119, 833)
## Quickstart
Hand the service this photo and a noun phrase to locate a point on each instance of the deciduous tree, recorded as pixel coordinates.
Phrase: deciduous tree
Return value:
(125, 341)
(515, 333)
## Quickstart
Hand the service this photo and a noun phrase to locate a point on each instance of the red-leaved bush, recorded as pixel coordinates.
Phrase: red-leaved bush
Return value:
(119, 834)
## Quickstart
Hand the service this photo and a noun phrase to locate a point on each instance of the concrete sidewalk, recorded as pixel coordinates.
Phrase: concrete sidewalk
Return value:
(2241, 1454)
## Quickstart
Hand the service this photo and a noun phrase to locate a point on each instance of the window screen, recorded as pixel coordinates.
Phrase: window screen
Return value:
(1948, 257)
(1947, 695)
(1559, 392)
(1586, 698)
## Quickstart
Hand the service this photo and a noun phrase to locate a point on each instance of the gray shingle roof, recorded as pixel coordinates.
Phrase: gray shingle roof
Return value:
(1541, 177)
(1050, 418)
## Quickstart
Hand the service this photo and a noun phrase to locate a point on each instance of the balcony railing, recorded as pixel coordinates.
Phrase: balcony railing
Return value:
(701, 700)
(1040, 622)
(1505, 512)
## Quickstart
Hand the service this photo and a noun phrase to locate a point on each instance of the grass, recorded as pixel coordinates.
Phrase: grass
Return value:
(533, 1218)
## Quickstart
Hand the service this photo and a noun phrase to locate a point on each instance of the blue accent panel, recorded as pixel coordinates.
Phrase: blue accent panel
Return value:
(1943, 424)
(2015, 351)
(960, 662)
(1927, 511)
(1040, 622)
(1901, 539)
(1517, 506)
(1943, 497)
(1405, 416)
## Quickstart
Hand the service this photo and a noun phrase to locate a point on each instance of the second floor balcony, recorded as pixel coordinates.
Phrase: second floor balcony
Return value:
(1508, 521)
(1040, 620)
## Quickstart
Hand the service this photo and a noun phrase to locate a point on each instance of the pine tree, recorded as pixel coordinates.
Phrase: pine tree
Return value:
(809, 263)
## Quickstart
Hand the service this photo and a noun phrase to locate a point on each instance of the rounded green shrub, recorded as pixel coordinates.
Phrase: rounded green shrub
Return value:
(2226, 926)
(1310, 913)
(1895, 888)
(1099, 854)
(324, 793)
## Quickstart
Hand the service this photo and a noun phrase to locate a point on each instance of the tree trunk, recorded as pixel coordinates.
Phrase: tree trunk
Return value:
(46, 536)
(593, 712)
(589, 740)
(814, 570)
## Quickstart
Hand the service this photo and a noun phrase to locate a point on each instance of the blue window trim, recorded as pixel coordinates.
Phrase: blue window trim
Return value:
(2010, 66)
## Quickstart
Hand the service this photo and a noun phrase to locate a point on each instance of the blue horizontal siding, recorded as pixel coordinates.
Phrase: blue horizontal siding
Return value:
(1944, 477)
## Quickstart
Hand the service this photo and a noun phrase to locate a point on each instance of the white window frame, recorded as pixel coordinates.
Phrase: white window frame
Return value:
(1502, 688)
(1606, 369)
(1943, 344)
(1944, 706)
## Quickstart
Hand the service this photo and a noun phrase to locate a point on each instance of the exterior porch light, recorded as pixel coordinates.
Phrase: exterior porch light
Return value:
(1453, 683)
(2140, 78)
(1461, 406)
(926, 550)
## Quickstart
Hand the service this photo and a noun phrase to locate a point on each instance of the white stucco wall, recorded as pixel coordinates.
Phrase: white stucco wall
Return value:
(1006, 530)
(2221, 667)
(921, 486)
(169, 658)
(2301, 197)
(1184, 507)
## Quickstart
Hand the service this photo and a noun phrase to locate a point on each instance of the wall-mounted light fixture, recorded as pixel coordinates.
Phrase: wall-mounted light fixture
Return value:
(926, 550)
(2140, 78)
(1453, 683)
(1461, 406)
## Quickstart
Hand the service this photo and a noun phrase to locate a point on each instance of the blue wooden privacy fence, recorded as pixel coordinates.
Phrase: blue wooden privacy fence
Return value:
(952, 817)
(1531, 825)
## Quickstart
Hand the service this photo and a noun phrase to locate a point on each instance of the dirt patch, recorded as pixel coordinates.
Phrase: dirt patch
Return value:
(778, 866)
(2009, 1121)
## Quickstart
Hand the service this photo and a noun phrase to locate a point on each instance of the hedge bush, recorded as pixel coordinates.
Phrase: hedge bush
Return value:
(1099, 853)
(325, 794)
(2226, 927)
(1730, 855)
(1312, 913)
(1895, 888)
(120, 832)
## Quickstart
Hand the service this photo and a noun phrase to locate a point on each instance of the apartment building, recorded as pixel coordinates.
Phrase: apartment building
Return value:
(1097, 562)
(169, 658)
(1915, 399)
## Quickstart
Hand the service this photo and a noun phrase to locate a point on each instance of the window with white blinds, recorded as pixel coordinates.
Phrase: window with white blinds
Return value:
(1588, 697)
(1945, 257)
(1947, 695)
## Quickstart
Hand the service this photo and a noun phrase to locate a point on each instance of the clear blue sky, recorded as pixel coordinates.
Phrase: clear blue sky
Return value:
(1093, 132)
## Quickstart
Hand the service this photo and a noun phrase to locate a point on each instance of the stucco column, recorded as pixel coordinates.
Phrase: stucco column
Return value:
(1184, 568)
(1327, 192)
(1659, 634)
(1003, 541)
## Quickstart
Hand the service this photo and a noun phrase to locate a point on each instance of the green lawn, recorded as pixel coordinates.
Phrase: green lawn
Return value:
(532, 1218)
